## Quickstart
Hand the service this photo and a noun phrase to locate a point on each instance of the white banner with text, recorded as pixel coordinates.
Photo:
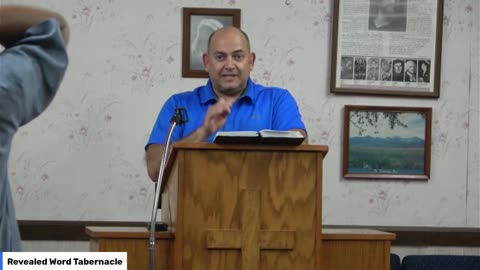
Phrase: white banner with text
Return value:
(63, 261)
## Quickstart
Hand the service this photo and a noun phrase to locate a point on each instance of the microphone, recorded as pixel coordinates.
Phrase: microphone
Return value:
(179, 118)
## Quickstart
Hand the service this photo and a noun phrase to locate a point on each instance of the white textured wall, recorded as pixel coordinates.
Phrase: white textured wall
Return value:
(83, 158)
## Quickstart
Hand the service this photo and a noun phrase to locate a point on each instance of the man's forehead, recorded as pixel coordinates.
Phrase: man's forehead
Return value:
(229, 37)
(229, 43)
(220, 51)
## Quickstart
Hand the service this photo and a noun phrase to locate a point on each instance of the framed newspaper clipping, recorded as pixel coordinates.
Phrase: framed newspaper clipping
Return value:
(387, 47)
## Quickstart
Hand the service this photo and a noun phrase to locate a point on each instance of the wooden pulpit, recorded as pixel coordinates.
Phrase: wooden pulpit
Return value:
(247, 207)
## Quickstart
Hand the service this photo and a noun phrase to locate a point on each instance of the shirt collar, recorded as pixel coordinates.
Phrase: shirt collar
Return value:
(250, 92)
(208, 95)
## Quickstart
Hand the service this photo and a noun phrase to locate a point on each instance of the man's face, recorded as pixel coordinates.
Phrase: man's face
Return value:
(386, 66)
(411, 67)
(347, 65)
(229, 62)
(373, 64)
(397, 67)
(424, 67)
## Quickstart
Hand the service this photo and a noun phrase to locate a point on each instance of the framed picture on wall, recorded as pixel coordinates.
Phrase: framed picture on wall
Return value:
(198, 24)
(387, 47)
(387, 142)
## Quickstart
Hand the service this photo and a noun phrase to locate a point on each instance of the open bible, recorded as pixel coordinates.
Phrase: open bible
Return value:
(265, 136)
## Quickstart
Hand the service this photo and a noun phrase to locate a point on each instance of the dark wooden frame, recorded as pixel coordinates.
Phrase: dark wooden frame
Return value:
(378, 176)
(389, 90)
(187, 14)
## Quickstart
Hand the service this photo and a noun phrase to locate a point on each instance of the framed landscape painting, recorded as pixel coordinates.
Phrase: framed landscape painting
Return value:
(387, 142)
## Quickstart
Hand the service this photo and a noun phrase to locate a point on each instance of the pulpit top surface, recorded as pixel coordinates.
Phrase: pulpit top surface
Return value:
(252, 147)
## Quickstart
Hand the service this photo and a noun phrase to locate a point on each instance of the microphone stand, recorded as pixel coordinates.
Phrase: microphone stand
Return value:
(177, 119)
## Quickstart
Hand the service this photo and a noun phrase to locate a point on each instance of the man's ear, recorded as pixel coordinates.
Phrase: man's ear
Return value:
(205, 61)
(252, 60)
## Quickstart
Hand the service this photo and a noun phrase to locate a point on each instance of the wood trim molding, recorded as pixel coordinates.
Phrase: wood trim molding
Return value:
(427, 236)
(33, 230)
(65, 230)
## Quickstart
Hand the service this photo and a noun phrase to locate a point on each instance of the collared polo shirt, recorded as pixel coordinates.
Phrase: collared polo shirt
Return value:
(259, 108)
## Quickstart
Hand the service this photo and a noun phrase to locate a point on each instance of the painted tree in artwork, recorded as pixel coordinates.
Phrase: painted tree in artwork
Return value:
(369, 119)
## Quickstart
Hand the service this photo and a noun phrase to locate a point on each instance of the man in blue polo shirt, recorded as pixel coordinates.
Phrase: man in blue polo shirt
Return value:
(230, 101)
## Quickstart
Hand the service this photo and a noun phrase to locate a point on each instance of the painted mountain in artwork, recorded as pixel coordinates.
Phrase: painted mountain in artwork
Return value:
(368, 141)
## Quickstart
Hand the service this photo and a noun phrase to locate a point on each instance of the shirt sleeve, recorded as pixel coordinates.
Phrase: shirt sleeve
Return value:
(31, 72)
(286, 114)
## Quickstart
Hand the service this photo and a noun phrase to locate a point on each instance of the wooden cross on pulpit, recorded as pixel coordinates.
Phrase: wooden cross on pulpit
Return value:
(251, 239)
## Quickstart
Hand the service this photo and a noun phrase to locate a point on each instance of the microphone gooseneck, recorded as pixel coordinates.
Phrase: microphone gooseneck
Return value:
(180, 117)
